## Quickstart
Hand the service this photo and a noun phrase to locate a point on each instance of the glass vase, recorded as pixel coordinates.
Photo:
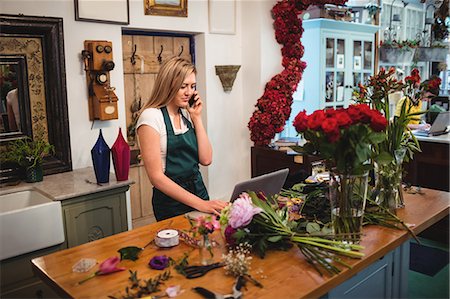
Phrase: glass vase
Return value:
(348, 194)
(205, 250)
(388, 180)
(121, 157)
(101, 156)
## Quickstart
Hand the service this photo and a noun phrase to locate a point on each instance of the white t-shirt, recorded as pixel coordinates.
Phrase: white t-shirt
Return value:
(154, 118)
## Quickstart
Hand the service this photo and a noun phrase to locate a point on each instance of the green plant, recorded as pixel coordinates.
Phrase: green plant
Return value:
(405, 44)
(27, 152)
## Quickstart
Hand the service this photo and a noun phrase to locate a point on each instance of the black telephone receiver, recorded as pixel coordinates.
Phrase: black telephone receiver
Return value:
(192, 100)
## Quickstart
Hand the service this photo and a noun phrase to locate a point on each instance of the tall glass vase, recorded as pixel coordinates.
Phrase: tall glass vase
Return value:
(348, 194)
(121, 157)
(388, 180)
(101, 156)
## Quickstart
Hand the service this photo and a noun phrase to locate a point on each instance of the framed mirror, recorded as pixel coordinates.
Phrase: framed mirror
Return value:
(33, 73)
(15, 112)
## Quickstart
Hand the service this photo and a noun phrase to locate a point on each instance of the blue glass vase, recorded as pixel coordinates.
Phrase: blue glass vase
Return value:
(101, 159)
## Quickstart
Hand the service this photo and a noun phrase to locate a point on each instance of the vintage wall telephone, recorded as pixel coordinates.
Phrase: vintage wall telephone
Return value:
(98, 62)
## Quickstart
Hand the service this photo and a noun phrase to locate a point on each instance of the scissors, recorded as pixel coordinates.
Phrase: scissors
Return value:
(198, 271)
(237, 294)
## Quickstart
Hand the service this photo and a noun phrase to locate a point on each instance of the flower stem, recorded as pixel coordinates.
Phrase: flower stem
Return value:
(87, 278)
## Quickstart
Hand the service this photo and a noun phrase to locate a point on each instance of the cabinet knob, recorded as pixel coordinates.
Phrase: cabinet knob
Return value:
(348, 86)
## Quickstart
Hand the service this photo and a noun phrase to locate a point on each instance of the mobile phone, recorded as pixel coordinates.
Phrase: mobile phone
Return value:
(192, 100)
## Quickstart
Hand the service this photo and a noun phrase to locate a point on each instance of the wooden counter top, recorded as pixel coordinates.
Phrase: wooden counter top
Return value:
(283, 274)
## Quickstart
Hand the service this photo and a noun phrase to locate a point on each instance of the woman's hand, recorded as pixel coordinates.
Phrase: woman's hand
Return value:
(213, 206)
(196, 110)
(419, 126)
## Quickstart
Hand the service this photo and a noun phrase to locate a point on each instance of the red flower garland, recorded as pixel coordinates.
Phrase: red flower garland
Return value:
(273, 108)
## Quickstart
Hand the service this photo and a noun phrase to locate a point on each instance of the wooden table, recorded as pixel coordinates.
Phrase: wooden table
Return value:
(286, 274)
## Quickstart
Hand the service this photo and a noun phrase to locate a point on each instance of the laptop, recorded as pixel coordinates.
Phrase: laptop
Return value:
(269, 184)
(438, 127)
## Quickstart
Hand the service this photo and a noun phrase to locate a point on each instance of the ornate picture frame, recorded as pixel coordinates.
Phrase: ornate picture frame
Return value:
(172, 8)
(109, 11)
(40, 40)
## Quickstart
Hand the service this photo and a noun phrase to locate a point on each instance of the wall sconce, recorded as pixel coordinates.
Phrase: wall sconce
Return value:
(227, 75)
(391, 34)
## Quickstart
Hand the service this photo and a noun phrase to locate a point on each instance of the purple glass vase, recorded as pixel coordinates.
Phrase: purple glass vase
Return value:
(101, 159)
(121, 157)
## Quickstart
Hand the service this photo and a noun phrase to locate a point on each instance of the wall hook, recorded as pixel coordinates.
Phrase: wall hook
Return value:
(159, 55)
(133, 56)
(181, 50)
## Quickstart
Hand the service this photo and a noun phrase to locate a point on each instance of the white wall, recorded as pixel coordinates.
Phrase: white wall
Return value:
(227, 114)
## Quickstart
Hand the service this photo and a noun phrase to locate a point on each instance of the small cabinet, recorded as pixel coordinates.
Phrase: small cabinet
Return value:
(86, 218)
(94, 216)
(339, 55)
(18, 280)
(385, 278)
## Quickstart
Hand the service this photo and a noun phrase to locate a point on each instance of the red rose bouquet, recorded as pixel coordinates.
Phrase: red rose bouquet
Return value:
(342, 136)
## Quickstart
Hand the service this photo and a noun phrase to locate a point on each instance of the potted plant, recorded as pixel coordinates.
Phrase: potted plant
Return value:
(438, 48)
(393, 51)
(28, 154)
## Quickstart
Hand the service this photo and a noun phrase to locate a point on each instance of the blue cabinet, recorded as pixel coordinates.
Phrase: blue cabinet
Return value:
(385, 278)
(339, 55)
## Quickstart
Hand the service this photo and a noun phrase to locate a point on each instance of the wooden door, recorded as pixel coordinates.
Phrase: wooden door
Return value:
(142, 58)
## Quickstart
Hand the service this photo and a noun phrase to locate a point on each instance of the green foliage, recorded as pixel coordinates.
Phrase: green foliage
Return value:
(181, 264)
(140, 288)
(375, 92)
(129, 253)
(405, 45)
(27, 152)
(272, 229)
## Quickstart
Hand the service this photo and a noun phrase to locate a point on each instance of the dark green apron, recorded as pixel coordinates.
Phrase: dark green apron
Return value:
(182, 168)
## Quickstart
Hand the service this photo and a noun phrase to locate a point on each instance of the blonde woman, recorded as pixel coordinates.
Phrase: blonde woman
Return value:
(173, 143)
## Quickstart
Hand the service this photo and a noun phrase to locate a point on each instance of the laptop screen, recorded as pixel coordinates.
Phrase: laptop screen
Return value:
(440, 124)
(269, 184)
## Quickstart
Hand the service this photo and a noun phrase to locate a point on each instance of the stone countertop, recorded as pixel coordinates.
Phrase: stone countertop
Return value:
(70, 184)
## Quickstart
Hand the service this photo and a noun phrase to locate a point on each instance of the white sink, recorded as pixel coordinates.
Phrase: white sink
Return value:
(29, 221)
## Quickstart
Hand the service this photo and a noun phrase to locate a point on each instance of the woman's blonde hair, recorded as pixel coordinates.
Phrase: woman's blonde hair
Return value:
(168, 82)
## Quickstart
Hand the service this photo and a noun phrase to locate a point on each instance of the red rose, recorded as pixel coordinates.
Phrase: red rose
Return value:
(354, 113)
(329, 125)
(315, 120)
(365, 112)
(343, 119)
(378, 122)
(301, 122)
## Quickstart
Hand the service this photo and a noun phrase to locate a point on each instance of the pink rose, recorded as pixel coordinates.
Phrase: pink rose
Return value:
(242, 211)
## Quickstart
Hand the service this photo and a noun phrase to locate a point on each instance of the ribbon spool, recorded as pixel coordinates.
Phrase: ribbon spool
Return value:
(167, 238)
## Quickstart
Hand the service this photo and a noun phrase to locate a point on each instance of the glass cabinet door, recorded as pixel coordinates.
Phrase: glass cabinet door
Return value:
(335, 61)
(362, 61)
(348, 61)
